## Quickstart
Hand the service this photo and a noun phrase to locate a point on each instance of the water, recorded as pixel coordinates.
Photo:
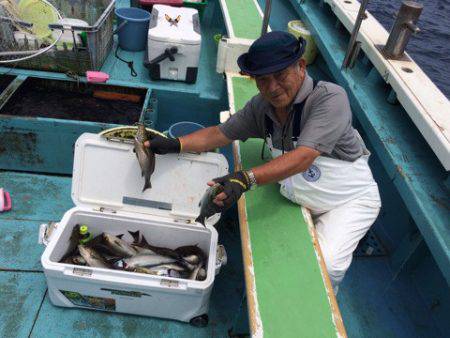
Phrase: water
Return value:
(430, 48)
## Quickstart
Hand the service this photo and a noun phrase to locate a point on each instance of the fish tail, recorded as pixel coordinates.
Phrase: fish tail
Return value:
(135, 235)
(201, 219)
(147, 185)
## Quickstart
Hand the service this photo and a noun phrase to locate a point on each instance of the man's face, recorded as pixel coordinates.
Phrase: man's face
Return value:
(280, 88)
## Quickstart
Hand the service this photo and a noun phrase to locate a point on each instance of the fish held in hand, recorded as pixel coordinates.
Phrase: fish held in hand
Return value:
(207, 206)
(145, 155)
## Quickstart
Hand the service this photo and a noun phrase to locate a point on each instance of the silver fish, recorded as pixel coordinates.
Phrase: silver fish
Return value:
(201, 274)
(119, 246)
(77, 260)
(158, 272)
(159, 249)
(92, 257)
(192, 259)
(175, 267)
(149, 271)
(145, 156)
(189, 250)
(143, 251)
(144, 261)
(194, 274)
(207, 206)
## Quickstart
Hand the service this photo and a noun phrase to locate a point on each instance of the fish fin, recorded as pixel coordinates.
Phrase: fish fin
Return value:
(201, 220)
(95, 241)
(135, 235)
(120, 236)
(147, 185)
(143, 242)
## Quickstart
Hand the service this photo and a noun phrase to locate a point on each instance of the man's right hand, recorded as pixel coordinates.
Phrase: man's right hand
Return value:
(163, 145)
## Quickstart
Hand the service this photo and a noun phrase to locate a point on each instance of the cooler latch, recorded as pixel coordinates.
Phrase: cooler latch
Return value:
(105, 210)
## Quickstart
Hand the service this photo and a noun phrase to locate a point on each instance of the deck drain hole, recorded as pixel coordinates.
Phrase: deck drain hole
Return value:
(347, 2)
(407, 70)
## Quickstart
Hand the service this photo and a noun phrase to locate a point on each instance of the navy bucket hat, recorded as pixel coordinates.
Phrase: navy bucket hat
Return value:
(271, 53)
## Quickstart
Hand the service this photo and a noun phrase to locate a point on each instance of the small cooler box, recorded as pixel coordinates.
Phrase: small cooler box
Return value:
(148, 4)
(174, 42)
(106, 189)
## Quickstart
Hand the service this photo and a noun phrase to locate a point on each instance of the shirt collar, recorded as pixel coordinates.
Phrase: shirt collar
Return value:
(305, 89)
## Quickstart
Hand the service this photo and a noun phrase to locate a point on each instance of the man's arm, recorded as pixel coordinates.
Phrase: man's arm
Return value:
(241, 125)
(291, 163)
(204, 140)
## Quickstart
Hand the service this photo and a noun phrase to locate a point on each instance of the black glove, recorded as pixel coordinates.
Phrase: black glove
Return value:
(235, 185)
(164, 145)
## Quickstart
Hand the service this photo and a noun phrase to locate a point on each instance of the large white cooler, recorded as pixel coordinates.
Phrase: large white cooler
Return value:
(173, 47)
(106, 189)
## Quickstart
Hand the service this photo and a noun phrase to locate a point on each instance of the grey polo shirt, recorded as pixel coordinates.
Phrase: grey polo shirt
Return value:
(325, 124)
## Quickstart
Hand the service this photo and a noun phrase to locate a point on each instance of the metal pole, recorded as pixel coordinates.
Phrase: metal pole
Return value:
(266, 17)
(351, 45)
(404, 27)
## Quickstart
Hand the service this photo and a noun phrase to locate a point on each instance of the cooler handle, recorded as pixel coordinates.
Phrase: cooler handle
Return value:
(168, 53)
(46, 231)
(221, 258)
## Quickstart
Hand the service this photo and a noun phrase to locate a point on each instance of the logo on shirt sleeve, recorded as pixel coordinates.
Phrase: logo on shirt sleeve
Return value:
(312, 174)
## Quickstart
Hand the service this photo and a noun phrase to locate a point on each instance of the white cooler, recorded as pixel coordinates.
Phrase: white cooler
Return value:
(106, 189)
(174, 40)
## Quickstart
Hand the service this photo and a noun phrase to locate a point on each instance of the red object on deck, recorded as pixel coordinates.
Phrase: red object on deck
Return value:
(96, 77)
(148, 4)
(5, 200)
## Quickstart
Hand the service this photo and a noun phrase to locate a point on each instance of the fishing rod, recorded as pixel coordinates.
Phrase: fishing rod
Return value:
(353, 45)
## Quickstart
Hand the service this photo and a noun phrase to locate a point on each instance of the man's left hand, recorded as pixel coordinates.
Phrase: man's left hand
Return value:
(235, 185)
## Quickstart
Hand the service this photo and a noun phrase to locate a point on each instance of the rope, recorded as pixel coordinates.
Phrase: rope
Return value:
(130, 64)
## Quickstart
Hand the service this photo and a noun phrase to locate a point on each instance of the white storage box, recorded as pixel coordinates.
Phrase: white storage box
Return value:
(106, 189)
(174, 40)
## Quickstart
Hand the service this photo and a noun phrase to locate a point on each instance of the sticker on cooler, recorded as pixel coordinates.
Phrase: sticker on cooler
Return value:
(99, 303)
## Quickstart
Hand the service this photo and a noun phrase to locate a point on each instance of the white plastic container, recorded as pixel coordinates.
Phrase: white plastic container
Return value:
(174, 42)
(106, 190)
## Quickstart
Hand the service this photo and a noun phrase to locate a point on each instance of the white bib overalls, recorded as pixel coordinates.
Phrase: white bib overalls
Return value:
(344, 201)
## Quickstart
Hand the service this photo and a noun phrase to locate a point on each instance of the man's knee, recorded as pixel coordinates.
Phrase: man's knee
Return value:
(336, 264)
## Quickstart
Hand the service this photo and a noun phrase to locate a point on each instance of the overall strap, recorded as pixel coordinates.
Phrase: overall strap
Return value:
(268, 123)
(298, 109)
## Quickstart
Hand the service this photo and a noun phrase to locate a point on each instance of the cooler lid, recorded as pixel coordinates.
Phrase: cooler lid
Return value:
(163, 25)
(107, 174)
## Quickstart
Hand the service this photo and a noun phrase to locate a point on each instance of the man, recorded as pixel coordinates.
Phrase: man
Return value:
(319, 159)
